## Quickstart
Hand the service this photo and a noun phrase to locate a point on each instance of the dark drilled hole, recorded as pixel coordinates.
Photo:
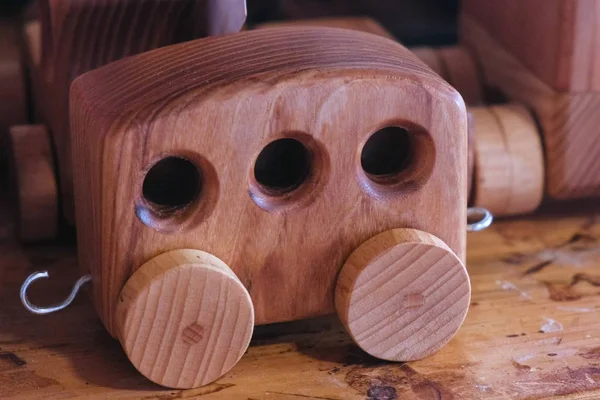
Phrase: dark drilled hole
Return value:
(171, 184)
(387, 153)
(282, 166)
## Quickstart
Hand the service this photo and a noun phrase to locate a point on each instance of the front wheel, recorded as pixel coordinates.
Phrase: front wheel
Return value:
(402, 295)
(184, 319)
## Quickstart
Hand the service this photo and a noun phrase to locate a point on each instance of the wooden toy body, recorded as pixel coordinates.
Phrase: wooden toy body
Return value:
(75, 36)
(217, 103)
(544, 55)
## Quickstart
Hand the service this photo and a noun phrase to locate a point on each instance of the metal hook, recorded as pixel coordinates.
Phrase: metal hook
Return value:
(484, 219)
(50, 309)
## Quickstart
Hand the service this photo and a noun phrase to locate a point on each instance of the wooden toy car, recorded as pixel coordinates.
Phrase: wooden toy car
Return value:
(65, 39)
(268, 176)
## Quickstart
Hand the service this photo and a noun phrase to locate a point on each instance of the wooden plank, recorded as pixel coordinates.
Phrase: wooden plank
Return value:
(532, 332)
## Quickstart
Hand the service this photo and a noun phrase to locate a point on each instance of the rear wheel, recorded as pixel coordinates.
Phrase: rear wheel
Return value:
(402, 295)
(184, 319)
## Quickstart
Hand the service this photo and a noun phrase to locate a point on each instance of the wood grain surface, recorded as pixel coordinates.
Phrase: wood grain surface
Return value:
(509, 162)
(557, 40)
(324, 91)
(531, 332)
(77, 36)
(184, 319)
(568, 121)
(33, 183)
(402, 295)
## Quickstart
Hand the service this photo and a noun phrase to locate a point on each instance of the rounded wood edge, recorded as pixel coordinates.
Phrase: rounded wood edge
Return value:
(463, 73)
(402, 295)
(184, 319)
(524, 146)
(33, 182)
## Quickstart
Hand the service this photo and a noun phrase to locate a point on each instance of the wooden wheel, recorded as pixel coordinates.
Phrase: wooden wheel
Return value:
(34, 183)
(184, 319)
(509, 160)
(402, 295)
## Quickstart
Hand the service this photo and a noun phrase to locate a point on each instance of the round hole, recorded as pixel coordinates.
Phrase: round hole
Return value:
(282, 166)
(396, 160)
(171, 184)
(387, 153)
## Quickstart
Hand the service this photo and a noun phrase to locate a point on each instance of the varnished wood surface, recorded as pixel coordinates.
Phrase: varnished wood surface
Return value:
(328, 89)
(532, 331)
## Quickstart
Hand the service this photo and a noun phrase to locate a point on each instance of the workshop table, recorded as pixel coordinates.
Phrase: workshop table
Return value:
(533, 331)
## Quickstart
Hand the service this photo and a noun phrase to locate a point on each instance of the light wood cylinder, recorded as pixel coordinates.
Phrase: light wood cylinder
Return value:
(509, 160)
(184, 319)
(33, 183)
(402, 295)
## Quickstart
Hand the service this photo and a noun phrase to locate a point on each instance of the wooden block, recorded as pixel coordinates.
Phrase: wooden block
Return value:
(509, 160)
(402, 295)
(13, 94)
(456, 65)
(33, 183)
(363, 24)
(184, 319)
(557, 40)
(330, 138)
(568, 121)
(71, 45)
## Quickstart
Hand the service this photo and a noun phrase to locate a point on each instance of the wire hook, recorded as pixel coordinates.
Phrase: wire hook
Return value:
(484, 219)
(56, 307)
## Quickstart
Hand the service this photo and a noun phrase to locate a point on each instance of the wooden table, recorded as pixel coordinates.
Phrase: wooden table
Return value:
(533, 331)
